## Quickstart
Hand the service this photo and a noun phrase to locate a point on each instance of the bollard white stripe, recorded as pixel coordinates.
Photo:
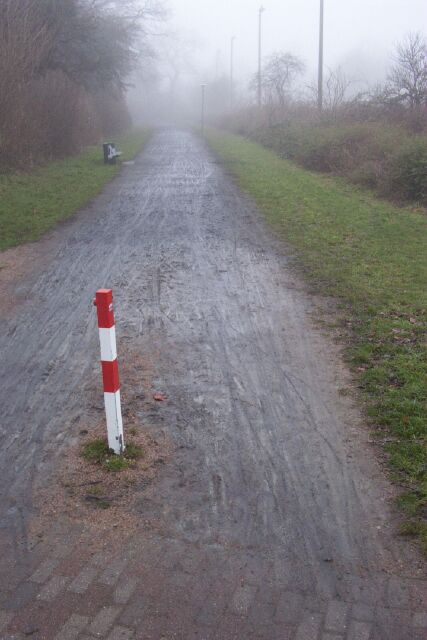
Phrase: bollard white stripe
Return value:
(114, 421)
(107, 339)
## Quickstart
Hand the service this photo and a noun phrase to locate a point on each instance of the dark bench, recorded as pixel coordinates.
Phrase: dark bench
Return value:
(110, 153)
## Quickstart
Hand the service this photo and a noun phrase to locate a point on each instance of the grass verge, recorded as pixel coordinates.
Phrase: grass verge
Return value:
(31, 204)
(375, 155)
(371, 256)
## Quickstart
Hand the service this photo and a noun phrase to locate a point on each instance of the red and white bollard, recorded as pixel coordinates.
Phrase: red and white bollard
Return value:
(110, 369)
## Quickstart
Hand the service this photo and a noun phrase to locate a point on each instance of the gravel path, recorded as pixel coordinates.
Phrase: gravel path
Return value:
(271, 519)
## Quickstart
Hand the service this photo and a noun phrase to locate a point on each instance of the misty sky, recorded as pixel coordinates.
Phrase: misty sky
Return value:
(359, 34)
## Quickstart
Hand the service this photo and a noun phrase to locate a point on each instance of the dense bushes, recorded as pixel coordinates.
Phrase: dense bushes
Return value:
(407, 175)
(377, 155)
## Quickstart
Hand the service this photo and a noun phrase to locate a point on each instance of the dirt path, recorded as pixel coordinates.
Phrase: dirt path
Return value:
(271, 520)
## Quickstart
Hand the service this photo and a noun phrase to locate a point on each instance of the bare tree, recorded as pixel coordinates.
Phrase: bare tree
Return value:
(407, 79)
(25, 42)
(336, 88)
(176, 59)
(280, 71)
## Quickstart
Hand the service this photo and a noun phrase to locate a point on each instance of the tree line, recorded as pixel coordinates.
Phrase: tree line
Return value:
(375, 138)
(63, 71)
(403, 95)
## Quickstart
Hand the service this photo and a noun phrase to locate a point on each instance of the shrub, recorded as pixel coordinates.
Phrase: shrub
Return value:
(376, 155)
(406, 177)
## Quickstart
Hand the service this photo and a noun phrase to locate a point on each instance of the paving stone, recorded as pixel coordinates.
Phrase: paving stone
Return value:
(125, 590)
(165, 629)
(290, 608)
(121, 633)
(280, 633)
(71, 629)
(367, 590)
(336, 616)
(242, 599)
(267, 593)
(386, 620)
(133, 615)
(262, 614)
(21, 596)
(188, 565)
(359, 631)
(61, 551)
(362, 611)
(273, 632)
(84, 579)
(44, 571)
(420, 620)
(53, 588)
(210, 613)
(112, 573)
(314, 604)
(104, 620)
(309, 629)
(100, 559)
(5, 619)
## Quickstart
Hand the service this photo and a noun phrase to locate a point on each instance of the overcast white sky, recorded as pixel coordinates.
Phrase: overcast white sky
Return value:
(359, 34)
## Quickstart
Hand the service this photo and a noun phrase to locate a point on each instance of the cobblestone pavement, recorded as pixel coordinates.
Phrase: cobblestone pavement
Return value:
(166, 588)
(271, 520)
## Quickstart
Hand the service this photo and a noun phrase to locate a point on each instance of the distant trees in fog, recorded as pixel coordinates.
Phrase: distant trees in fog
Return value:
(280, 70)
(407, 79)
(402, 97)
(63, 70)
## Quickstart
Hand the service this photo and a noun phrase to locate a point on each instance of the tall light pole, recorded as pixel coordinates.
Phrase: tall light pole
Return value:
(202, 123)
(261, 11)
(232, 70)
(217, 61)
(320, 80)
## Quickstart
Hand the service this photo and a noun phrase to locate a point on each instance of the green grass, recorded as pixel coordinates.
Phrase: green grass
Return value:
(372, 257)
(31, 204)
(98, 452)
(375, 154)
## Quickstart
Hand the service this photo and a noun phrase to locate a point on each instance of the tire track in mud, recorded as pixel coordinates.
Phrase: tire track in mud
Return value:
(271, 460)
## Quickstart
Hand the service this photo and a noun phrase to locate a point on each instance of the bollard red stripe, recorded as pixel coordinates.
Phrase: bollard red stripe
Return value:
(104, 308)
(110, 369)
(110, 376)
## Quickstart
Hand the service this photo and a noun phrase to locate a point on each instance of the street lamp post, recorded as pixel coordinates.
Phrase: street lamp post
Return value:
(232, 71)
(320, 79)
(261, 11)
(217, 62)
(203, 110)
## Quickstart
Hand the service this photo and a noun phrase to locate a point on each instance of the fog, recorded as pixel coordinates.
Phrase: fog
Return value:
(360, 36)
(352, 27)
